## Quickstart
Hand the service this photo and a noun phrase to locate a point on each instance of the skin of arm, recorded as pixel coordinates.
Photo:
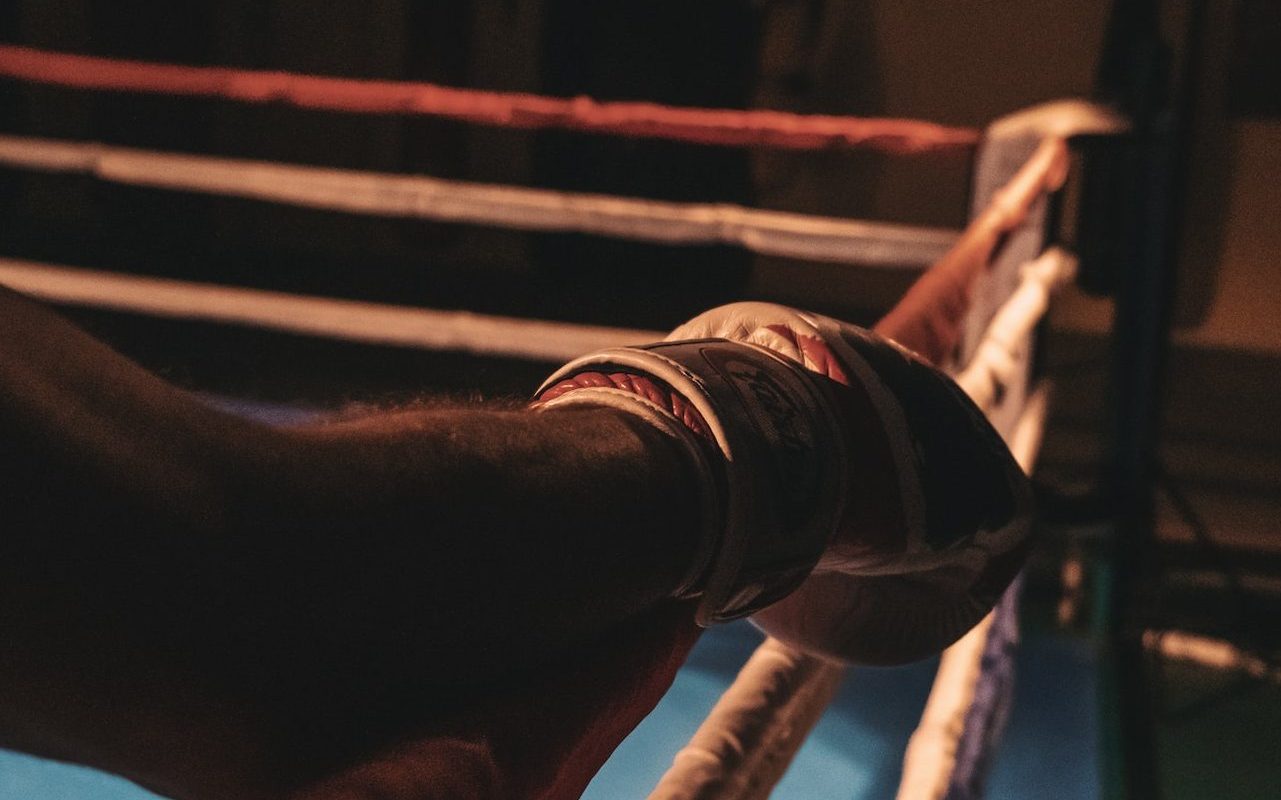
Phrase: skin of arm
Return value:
(217, 608)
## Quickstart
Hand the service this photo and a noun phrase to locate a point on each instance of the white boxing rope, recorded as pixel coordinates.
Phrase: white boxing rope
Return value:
(1004, 344)
(1208, 652)
(870, 244)
(350, 320)
(747, 741)
(932, 750)
(775, 700)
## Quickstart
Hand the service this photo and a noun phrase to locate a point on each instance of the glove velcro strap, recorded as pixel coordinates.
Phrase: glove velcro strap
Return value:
(783, 456)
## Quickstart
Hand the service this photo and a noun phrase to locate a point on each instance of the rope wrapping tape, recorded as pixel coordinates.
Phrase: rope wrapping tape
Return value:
(349, 320)
(766, 232)
(756, 128)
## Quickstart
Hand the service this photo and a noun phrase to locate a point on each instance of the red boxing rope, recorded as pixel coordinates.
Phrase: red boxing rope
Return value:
(929, 316)
(758, 128)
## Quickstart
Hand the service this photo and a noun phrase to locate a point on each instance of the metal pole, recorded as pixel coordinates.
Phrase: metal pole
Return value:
(1140, 344)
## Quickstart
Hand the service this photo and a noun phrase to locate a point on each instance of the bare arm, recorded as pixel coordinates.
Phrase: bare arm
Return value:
(190, 598)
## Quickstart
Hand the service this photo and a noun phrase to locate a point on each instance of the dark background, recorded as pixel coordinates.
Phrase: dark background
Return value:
(963, 63)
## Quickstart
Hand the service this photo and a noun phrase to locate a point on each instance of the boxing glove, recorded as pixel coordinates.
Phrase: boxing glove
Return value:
(824, 449)
(767, 449)
(935, 514)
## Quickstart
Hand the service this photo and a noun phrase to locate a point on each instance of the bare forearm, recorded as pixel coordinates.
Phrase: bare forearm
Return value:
(319, 588)
(478, 508)
(75, 413)
(110, 499)
(470, 526)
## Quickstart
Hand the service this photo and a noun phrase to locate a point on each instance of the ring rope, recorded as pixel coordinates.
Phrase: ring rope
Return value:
(774, 693)
(1004, 345)
(756, 128)
(780, 693)
(775, 233)
(933, 749)
(350, 320)
(787, 694)
(1209, 652)
(748, 739)
(976, 245)
(933, 310)
(950, 752)
(985, 720)
(979, 726)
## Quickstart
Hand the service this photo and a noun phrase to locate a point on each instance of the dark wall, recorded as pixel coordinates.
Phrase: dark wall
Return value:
(657, 50)
(960, 63)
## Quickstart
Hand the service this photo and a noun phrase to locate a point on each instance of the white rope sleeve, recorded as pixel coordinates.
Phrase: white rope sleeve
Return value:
(1208, 652)
(1004, 343)
(747, 741)
(931, 752)
(350, 320)
(869, 244)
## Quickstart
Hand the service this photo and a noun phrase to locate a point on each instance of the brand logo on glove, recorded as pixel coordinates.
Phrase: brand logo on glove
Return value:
(778, 416)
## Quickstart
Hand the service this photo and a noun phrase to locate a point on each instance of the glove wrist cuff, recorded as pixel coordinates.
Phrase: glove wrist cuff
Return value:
(768, 445)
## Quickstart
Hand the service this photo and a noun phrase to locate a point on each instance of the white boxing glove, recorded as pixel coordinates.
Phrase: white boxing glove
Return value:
(935, 515)
(764, 436)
